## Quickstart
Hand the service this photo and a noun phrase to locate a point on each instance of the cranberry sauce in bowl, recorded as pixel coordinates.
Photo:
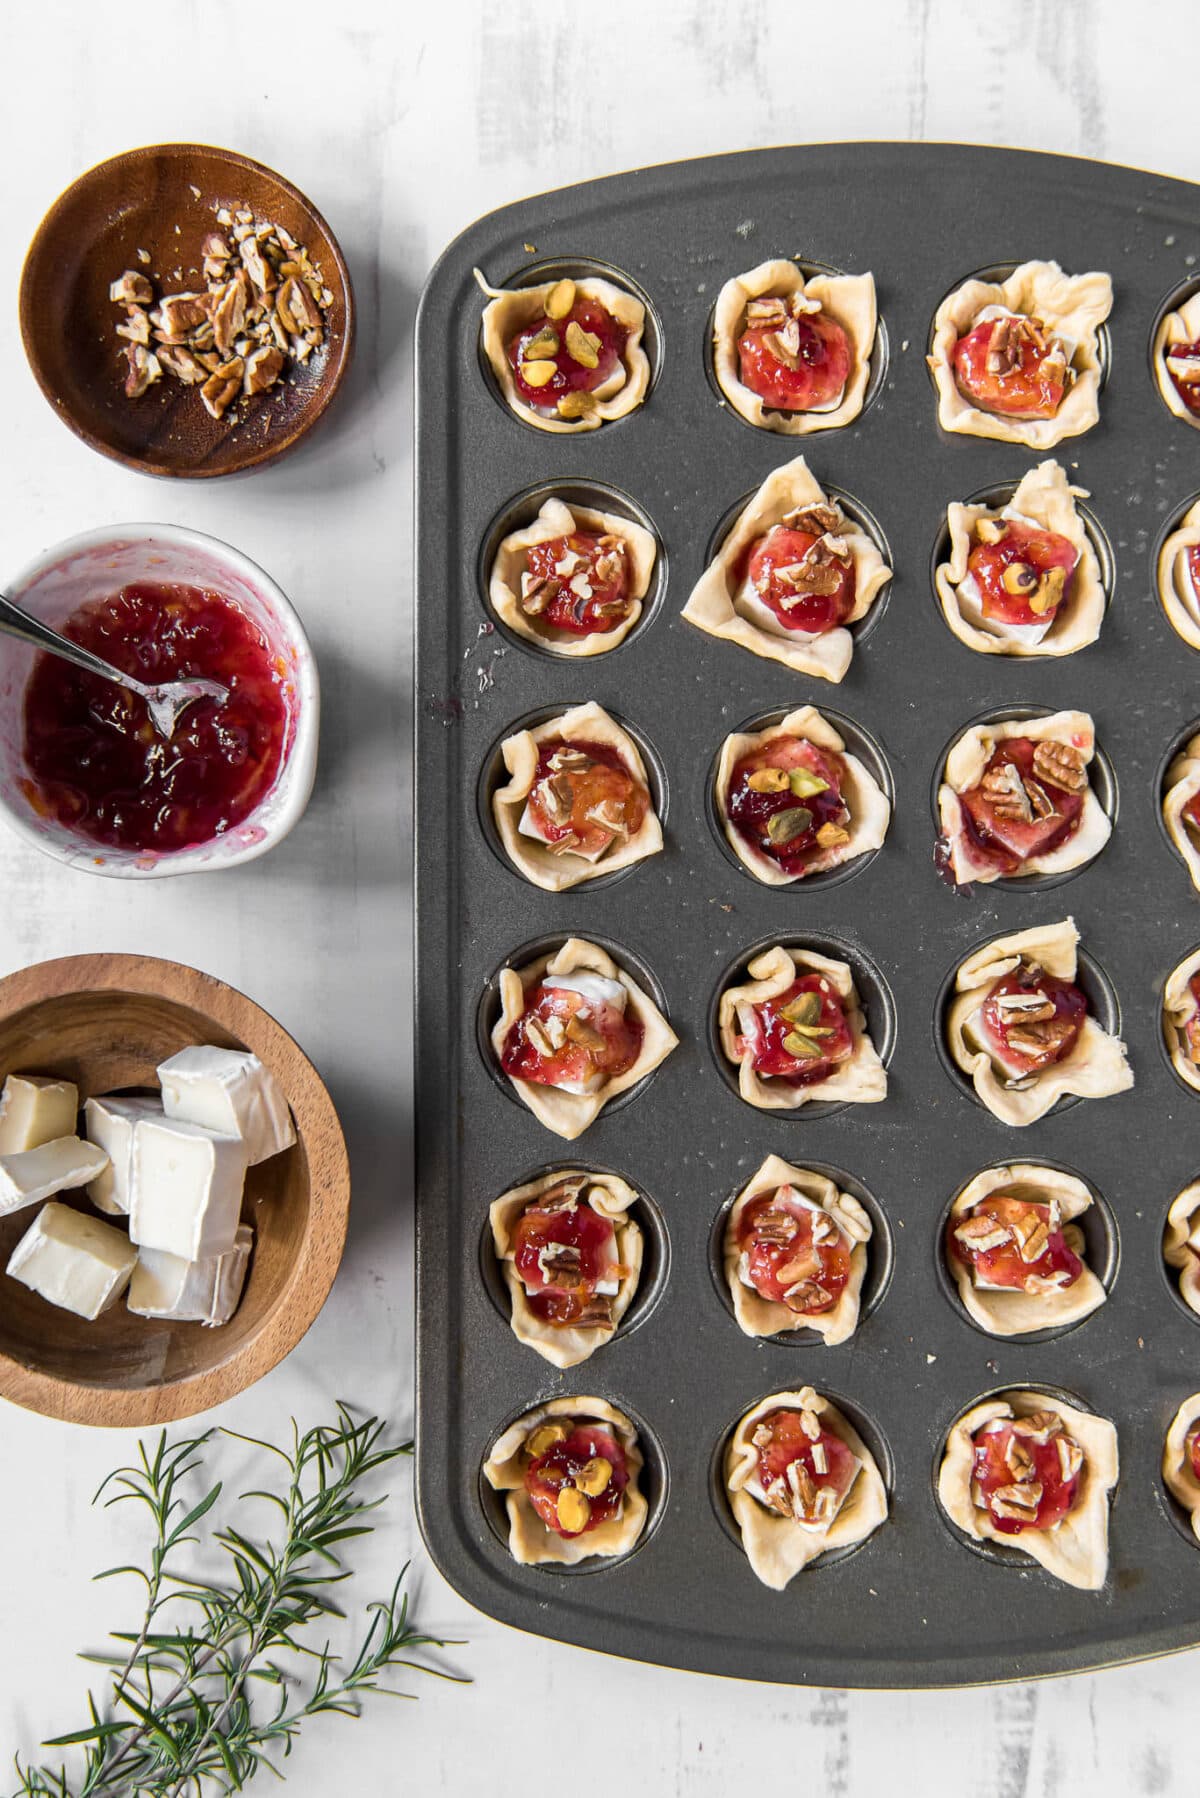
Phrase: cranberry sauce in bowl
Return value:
(83, 772)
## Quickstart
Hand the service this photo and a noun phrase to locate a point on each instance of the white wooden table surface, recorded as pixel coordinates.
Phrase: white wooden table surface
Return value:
(404, 123)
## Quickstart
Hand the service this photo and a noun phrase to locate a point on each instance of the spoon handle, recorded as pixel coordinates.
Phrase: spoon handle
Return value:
(16, 623)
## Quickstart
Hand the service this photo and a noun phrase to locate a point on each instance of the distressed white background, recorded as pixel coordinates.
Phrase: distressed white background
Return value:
(404, 123)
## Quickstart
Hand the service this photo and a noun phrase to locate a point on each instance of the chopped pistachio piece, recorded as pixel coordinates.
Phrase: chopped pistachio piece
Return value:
(784, 826)
(805, 784)
(802, 1047)
(804, 1010)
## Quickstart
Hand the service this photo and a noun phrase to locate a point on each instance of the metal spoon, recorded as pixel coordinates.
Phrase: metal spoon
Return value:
(164, 702)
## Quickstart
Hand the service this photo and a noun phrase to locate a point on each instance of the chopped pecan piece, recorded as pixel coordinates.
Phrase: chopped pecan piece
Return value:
(583, 1033)
(775, 1226)
(228, 315)
(297, 310)
(1061, 765)
(817, 520)
(144, 370)
(136, 327)
(1040, 1037)
(177, 315)
(981, 1233)
(133, 289)
(1040, 1425)
(179, 361)
(223, 387)
(1006, 792)
(806, 1295)
(263, 368)
(564, 1196)
(595, 1313)
(257, 266)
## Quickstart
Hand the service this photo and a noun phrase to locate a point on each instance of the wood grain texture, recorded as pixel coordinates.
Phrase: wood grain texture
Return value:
(149, 210)
(106, 1022)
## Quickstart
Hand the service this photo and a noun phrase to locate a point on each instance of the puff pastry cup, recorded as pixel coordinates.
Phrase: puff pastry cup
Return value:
(1176, 331)
(568, 1114)
(1095, 1065)
(1178, 1466)
(1182, 794)
(1176, 586)
(1065, 746)
(857, 1077)
(849, 300)
(836, 1216)
(1045, 500)
(1075, 1549)
(780, 1543)
(563, 786)
(512, 310)
(1045, 1300)
(863, 801)
(1071, 308)
(1181, 1244)
(531, 1541)
(1181, 1019)
(724, 603)
(513, 591)
(611, 1199)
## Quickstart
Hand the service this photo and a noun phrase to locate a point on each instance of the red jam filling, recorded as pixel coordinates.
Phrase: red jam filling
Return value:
(794, 360)
(799, 1036)
(1023, 1477)
(804, 584)
(552, 357)
(794, 1255)
(785, 801)
(1191, 1029)
(1014, 1243)
(805, 1476)
(1193, 562)
(1191, 811)
(584, 799)
(1025, 574)
(566, 1039)
(579, 584)
(1020, 809)
(1011, 365)
(562, 1253)
(1035, 1018)
(96, 762)
(1193, 1449)
(576, 1465)
(1185, 377)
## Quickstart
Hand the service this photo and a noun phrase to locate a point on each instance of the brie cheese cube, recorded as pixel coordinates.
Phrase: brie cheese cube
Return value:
(73, 1260)
(977, 1036)
(228, 1091)
(531, 826)
(596, 987)
(204, 1292)
(35, 1174)
(185, 1195)
(35, 1109)
(109, 1123)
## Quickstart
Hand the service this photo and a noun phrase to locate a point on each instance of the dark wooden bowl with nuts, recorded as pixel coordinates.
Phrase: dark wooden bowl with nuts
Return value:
(186, 311)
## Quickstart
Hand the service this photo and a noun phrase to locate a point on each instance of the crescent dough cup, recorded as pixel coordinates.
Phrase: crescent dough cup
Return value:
(1076, 1551)
(1182, 784)
(861, 1079)
(529, 1540)
(712, 603)
(778, 1548)
(1096, 1066)
(763, 1317)
(569, 1114)
(558, 519)
(964, 771)
(510, 309)
(1069, 306)
(1182, 326)
(1014, 1313)
(865, 799)
(1175, 589)
(1177, 1007)
(1178, 1477)
(608, 1196)
(850, 302)
(1181, 1243)
(588, 723)
(1045, 496)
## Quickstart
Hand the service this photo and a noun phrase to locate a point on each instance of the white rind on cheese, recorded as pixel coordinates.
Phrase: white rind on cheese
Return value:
(73, 1260)
(36, 1109)
(109, 1124)
(205, 1292)
(36, 1174)
(186, 1189)
(228, 1091)
(595, 987)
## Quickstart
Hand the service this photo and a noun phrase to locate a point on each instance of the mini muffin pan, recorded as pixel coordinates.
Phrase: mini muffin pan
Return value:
(913, 1606)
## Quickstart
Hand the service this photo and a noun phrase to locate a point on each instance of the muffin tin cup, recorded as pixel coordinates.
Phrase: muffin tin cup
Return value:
(910, 1609)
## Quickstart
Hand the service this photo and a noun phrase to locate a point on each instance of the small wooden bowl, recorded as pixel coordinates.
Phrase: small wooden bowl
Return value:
(160, 199)
(106, 1022)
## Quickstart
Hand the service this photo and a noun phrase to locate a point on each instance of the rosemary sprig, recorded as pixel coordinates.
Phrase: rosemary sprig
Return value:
(222, 1672)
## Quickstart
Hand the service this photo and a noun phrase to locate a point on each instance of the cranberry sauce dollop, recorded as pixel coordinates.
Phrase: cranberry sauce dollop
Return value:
(785, 801)
(576, 352)
(576, 1482)
(565, 1039)
(562, 1252)
(1034, 1017)
(806, 585)
(584, 799)
(1013, 366)
(1023, 574)
(793, 358)
(799, 1036)
(795, 1254)
(1022, 806)
(1026, 1472)
(1016, 1244)
(579, 584)
(1183, 367)
(805, 1471)
(96, 762)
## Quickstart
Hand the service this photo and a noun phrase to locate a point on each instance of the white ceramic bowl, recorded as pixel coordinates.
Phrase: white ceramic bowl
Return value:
(96, 564)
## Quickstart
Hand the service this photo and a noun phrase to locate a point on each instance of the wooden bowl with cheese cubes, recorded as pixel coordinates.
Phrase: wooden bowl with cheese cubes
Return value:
(174, 1190)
